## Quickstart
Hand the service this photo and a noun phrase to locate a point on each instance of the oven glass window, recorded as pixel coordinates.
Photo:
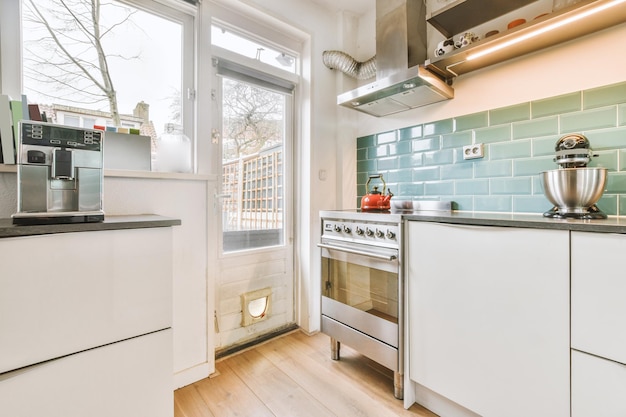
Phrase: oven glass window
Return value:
(366, 288)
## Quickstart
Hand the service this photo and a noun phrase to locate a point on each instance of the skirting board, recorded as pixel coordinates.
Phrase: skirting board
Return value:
(191, 375)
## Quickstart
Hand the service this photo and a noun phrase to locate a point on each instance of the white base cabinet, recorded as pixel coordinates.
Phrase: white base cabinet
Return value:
(132, 378)
(599, 294)
(598, 386)
(488, 317)
(86, 324)
(598, 325)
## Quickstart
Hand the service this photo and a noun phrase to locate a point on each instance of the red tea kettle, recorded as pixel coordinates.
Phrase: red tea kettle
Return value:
(376, 200)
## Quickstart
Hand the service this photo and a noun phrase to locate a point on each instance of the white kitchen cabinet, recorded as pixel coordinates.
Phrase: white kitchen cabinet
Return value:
(598, 290)
(86, 323)
(132, 378)
(598, 323)
(488, 317)
(598, 386)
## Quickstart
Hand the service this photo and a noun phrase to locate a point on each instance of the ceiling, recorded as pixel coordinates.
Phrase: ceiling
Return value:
(354, 6)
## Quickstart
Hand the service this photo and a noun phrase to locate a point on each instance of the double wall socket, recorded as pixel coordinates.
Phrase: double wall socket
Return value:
(473, 151)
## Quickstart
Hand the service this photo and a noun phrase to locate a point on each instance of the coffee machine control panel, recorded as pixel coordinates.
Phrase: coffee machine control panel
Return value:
(46, 134)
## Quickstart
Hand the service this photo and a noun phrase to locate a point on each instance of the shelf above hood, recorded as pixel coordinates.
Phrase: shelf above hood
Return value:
(401, 91)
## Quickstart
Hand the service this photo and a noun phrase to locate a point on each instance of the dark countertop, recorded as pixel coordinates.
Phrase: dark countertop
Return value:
(8, 229)
(535, 221)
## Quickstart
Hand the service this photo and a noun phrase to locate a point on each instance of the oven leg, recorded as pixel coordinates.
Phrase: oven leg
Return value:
(398, 385)
(335, 346)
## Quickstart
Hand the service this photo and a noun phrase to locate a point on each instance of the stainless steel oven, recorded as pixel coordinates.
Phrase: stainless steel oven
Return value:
(362, 287)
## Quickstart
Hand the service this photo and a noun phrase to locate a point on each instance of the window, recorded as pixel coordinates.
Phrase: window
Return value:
(260, 50)
(255, 97)
(132, 69)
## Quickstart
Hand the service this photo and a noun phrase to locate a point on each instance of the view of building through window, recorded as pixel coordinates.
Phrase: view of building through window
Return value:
(102, 62)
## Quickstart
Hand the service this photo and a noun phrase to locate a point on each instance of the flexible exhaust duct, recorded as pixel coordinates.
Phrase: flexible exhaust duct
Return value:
(350, 66)
(402, 81)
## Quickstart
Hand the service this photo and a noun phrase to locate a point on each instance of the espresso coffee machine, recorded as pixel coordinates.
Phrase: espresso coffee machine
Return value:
(59, 174)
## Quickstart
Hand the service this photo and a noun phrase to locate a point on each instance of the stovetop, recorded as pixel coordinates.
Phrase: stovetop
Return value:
(380, 228)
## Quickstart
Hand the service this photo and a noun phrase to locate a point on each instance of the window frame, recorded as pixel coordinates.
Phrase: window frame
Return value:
(179, 11)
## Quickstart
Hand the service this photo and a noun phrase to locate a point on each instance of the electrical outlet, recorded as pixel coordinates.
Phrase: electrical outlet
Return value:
(473, 151)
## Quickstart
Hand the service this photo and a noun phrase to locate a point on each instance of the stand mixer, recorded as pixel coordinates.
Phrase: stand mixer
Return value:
(574, 188)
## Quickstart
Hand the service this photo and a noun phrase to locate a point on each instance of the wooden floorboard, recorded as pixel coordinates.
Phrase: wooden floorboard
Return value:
(293, 376)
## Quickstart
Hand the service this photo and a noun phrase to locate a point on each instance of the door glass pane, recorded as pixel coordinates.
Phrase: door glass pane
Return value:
(253, 129)
(365, 288)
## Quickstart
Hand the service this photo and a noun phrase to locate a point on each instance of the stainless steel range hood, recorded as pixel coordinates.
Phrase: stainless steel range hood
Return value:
(402, 82)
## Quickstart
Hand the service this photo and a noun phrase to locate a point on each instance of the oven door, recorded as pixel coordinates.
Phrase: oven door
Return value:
(361, 289)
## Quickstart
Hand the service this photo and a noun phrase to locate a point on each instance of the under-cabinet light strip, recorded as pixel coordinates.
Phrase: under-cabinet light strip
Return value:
(545, 29)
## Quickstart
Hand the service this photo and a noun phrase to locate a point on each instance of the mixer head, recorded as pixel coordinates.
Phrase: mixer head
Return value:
(573, 151)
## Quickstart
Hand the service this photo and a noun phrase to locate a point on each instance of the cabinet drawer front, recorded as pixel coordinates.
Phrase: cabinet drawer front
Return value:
(598, 289)
(75, 291)
(132, 378)
(598, 386)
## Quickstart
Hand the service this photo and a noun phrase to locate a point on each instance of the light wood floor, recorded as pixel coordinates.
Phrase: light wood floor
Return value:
(293, 376)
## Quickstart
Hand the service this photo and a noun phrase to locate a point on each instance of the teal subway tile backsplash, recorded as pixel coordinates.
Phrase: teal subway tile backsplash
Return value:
(604, 96)
(536, 128)
(557, 105)
(607, 138)
(508, 115)
(621, 114)
(493, 134)
(386, 137)
(472, 187)
(445, 156)
(608, 204)
(426, 174)
(589, 119)
(425, 161)
(365, 141)
(456, 140)
(544, 146)
(511, 186)
(510, 150)
(442, 188)
(439, 128)
(410, 132)
(456, 171)
(488, 169)
(493, 203)
(428, 144)
(606, 160)
(472, 121)
(532, 166)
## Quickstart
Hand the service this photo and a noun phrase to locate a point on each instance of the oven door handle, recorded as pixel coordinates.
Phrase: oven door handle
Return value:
(359, 252)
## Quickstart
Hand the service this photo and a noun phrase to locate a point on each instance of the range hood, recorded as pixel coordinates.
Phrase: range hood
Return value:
(402, 81)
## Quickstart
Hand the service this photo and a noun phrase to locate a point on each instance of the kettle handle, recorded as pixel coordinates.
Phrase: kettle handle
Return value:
(367, 184)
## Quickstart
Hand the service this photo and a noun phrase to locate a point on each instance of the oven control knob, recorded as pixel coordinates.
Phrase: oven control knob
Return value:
(346, 229)
(390, 234)
(368, 231)
(379, 233)
(337, 228)
(359, 231)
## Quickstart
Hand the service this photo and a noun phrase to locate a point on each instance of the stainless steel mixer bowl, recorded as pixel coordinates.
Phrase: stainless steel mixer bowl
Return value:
(574, 189)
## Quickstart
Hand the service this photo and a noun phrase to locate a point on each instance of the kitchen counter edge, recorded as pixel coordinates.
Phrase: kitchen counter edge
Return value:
(118, 222)
(612, 224)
